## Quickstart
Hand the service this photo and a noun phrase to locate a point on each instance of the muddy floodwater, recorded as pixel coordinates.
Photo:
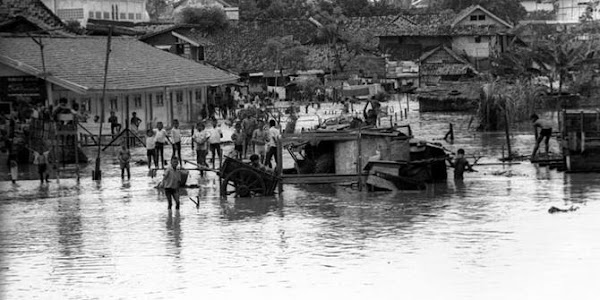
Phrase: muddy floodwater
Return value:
(489, 237)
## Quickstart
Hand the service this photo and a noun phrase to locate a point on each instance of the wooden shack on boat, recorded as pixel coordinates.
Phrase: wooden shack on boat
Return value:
(581, 139)
(355, 154)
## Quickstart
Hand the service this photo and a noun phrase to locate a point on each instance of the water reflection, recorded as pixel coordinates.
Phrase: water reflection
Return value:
(174, 231)
(241, 208)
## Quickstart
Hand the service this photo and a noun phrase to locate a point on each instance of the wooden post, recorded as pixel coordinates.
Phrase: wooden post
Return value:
(97, 174)
(279, 170)
(507, 130)
(126, 120)
(359, 158)
(76, 142)
(582, 131)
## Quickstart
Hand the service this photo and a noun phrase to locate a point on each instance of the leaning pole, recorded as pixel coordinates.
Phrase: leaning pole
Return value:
(97, 173)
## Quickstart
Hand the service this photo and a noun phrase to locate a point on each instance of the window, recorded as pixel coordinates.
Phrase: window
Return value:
(160, 101)
(91, 14)
(137, 101)
(114, 104)
(122, 16)
(106, 15)
(179, 97)
(473, 18)
(481, 17)
(477, 39)
(198, 95)
(138, 16)
(70, 14)
(98, 15)
(130, 16)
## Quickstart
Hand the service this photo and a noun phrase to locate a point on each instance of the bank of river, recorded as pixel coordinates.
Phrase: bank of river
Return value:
(489, 237)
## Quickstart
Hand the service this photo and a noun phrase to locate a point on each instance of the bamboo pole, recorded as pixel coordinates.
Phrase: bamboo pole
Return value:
(359, 158)
(507, 131)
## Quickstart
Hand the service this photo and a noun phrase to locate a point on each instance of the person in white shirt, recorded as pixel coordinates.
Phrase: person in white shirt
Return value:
(151, 148)
(215, 142)
(176, 141)
(274, 137)
(200, 138)
(160, 135)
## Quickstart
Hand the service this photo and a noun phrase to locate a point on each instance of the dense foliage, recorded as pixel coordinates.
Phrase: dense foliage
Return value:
(210, 18)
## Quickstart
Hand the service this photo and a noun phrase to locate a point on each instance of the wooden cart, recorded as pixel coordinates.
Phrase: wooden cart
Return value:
(242, 180)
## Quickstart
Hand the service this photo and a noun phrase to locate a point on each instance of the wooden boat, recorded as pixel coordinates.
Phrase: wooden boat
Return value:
(324, 156)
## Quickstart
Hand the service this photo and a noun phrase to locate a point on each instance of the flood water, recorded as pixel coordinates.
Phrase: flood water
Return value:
(490, 237)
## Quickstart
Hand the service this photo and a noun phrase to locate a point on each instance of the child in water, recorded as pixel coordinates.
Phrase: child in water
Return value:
(124, 157)
(461, 164)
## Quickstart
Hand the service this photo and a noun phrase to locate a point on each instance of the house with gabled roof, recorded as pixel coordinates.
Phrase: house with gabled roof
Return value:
(443, 64)
(474, 33)
(157, 85)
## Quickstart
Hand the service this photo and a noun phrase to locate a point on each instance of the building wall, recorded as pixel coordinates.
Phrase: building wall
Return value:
(82, 10)
(571, 10)
(534, 5)
(469, 46)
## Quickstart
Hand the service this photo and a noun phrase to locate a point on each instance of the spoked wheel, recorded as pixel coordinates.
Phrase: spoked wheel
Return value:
(243, 183)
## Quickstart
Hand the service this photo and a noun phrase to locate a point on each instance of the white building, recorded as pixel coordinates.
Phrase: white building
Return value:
(116, 10)
(571, 10)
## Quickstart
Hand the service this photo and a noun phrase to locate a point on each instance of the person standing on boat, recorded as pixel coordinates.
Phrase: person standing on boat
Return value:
(544, 134)
(274, 137)
(460, 165)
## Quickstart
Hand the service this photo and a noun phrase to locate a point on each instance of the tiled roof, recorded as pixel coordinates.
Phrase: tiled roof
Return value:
(78, 63)
(445, 49)
(34, 11)
(446, 69)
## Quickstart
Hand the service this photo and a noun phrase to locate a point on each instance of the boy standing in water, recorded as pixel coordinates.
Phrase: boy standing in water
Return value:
(171, 182)
(41, 160)
(176, 136)
(151, 148)
(161, 139)
(460, 165)
(238, 139)
(124, 157)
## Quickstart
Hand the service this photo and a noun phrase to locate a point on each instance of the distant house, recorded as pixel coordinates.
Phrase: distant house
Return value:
(183, 40)
(232, 12)
(159, 86)
(83, 10)
(474, 33)
(443, 64)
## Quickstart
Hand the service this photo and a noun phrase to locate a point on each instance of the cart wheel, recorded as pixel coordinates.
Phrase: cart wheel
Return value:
(243, 183)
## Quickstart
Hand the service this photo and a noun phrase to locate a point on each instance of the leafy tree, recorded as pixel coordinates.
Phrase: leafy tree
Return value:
(209, 18)
(156, 7)
(285, 53)
(343, 42)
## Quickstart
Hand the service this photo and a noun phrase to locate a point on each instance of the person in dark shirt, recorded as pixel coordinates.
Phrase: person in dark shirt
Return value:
(135, 121)
(461, 164)
(114, 123)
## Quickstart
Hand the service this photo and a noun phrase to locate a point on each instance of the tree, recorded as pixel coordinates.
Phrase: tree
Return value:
(343, 42)
(209, 19)
(285, 53)
(157, 7)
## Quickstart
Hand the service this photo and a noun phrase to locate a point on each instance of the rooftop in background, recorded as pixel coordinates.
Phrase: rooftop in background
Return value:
(77, 63)
(29, 15)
